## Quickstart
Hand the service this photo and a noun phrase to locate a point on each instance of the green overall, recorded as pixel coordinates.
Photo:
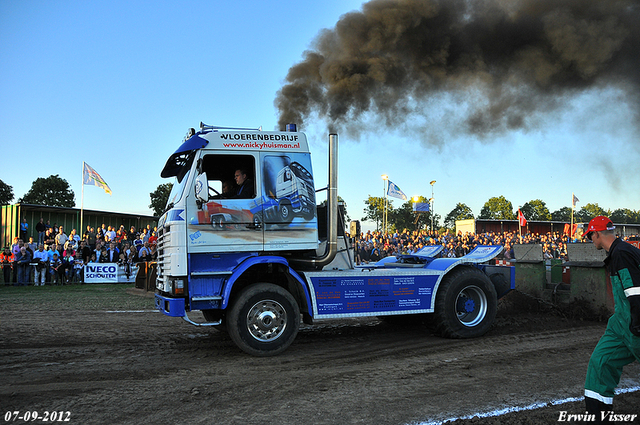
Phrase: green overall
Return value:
(618, 346)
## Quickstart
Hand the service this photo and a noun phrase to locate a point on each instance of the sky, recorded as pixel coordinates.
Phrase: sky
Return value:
(117, 84)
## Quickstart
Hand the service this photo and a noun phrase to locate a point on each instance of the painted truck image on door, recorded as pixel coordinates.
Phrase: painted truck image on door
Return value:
(258, 265)
(289, 192)
(295, 192)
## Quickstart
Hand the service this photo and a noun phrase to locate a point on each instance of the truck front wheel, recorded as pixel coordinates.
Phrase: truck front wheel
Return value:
(286, 214)
(466, 304)
(264, 320)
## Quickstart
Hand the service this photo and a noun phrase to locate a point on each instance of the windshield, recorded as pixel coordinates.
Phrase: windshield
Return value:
(177, 189)
(301, 173)
(182, 178)
(176, 162)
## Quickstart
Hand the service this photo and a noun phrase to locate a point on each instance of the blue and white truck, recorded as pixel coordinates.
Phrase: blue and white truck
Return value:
(257, 270)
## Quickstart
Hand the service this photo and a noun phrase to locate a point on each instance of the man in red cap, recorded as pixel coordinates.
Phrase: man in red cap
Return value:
(620, 344)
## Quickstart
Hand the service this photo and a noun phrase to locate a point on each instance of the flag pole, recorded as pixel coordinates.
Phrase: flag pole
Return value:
(573, 205)
(519, 225)
(82, 202)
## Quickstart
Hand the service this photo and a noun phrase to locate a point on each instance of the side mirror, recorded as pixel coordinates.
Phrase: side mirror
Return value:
(202, 189)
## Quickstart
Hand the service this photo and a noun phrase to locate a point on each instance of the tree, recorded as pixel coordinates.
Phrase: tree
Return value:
(497, 208)
(6, 193)
(460, 212)
(563, 214)
(536, 210)
(159, 198)
(436, 221)
(588, 212)
(52, 191)
(375, 210)
(625, 216)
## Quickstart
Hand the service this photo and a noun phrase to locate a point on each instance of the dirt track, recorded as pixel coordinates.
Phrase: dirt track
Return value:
(142, 367)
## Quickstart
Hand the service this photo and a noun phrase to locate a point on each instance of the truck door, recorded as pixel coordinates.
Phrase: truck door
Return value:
(225, 222)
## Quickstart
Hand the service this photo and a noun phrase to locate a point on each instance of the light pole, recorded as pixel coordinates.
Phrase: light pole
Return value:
(385, 179)
(431, 200)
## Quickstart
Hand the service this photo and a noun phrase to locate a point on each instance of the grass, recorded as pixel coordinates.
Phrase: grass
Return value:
(89, 297)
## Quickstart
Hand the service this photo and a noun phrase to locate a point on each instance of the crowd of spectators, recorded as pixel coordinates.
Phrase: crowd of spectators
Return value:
(59, 258)
(372, 246)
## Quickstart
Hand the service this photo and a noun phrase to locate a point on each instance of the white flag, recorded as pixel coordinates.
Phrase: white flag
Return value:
(395, 191)
(89, 176)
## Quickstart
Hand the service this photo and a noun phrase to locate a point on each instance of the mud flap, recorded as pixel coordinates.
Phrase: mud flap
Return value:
(502, 277)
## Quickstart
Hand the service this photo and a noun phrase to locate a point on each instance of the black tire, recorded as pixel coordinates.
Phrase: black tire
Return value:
(285, 210)
(309, 214)
(264, 320)
(466, 304)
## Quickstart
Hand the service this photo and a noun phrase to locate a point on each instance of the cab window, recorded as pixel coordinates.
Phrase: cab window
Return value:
(230, 176)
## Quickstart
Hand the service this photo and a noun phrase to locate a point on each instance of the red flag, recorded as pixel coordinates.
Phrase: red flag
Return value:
(573, 229)
(523, 221)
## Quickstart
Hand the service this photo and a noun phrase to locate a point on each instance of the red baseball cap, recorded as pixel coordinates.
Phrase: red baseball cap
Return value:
(598, 224)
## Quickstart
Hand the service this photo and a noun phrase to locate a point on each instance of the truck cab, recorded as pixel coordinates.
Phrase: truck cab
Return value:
(206, 232)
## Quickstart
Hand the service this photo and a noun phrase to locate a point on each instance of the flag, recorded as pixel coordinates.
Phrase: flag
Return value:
(575, 199)
(395, 191)
(421, 207)
(89, 176)
(573, 229)
(521, 219)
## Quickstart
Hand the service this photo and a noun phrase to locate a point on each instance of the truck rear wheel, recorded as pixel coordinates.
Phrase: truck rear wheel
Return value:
(264, 320)
(466, 304)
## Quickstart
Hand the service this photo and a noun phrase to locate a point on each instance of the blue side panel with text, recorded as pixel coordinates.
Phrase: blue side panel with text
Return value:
(401, 285)
(368, 294)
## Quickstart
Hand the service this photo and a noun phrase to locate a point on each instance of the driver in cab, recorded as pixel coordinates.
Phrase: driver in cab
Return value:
(245, 188)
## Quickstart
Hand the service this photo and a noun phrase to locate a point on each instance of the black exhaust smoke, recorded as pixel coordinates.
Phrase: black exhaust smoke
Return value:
(502, 62)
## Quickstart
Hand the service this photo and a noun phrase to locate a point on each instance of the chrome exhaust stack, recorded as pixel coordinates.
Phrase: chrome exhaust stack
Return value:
(331, 248)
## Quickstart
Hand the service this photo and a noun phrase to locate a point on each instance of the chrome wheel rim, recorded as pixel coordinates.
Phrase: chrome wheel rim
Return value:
(471, 306)
(266, 320)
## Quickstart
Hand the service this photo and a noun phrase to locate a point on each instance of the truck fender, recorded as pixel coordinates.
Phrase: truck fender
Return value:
(480, 254)
(267, 259)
